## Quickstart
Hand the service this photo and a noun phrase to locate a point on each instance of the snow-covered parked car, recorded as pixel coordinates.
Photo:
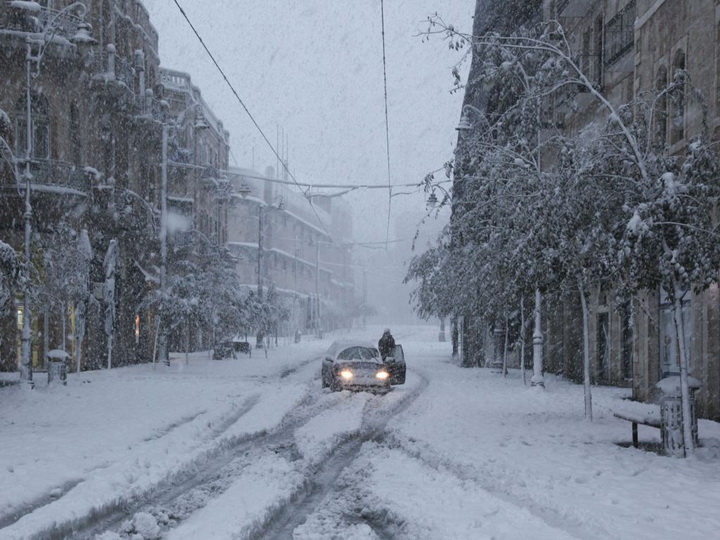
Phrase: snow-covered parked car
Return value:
(356, 365)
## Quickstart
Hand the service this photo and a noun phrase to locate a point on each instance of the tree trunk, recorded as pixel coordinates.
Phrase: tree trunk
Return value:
(505, 348)
(688, 441)
(155, 341)
(187, 342)
(454, 336)
(63, 312)
(110, 350)
(586, 352)
(522, 339)
(79, 333)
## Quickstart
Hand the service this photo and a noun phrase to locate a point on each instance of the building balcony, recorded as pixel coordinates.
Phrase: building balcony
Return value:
(18, 21)
(574, 8)
(56, 176)
(114, 68)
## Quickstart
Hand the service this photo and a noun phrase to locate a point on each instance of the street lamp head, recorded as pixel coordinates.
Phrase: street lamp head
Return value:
(432, 200)
(201, 123)
(244, 190)
(32, 7)
(281, 203)
(82, 36)
(464, 125)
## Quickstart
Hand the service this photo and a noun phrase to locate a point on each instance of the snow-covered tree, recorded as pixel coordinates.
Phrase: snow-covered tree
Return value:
(617, 207)
(63, 276)
(10, 276)
(110, 267)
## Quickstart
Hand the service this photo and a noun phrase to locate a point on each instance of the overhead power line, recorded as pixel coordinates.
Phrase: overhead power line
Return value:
(336, 186)
(247, 111)
(387, 123)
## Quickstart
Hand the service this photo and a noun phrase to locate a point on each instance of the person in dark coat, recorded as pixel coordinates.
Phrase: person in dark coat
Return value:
(386, 345)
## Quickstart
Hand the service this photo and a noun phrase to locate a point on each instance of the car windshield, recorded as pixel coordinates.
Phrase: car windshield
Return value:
(358, 353)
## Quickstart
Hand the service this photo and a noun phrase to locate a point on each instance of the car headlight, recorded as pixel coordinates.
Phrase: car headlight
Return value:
(382, 375)
(346, 374)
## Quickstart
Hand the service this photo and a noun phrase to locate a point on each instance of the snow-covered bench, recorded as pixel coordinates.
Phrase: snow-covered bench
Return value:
(651, 420)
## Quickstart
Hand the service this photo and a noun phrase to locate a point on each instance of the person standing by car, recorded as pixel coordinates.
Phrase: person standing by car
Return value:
(386, 345)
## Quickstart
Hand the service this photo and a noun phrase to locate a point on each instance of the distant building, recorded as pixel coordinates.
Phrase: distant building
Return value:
(302, 250)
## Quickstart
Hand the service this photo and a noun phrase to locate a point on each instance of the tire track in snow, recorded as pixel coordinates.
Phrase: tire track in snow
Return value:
(48, 498)
(162, 432)
(189, 489)
(321, 481)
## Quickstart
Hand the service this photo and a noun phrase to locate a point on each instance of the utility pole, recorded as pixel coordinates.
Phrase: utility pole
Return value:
(260, 251)
(317, 287)
(260, 337)
(364, 317)
(26, 360)
(162, 338)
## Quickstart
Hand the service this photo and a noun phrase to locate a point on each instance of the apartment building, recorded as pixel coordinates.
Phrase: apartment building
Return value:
(632, 47)
(628, 49)
(302, 250)
(91, 81)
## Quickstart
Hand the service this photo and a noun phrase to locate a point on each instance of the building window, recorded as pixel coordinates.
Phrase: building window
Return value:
(585, 58)
(677, 98)
(661, 113)
(597, 71)
(620, 33)
(75, 141)
(40, 128)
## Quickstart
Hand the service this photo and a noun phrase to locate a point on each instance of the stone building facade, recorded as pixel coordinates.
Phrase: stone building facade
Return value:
(631, 47)
(92, 109)
(627, 48)
(99, 106)
(108, 125)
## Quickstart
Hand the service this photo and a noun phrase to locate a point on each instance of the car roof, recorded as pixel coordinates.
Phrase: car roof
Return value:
(345, 343)
(342, 344)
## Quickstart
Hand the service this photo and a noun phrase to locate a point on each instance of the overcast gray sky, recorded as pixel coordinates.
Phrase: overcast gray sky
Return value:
(313, 69)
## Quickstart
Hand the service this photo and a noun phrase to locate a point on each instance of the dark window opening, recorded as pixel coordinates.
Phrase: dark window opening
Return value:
(620, 33)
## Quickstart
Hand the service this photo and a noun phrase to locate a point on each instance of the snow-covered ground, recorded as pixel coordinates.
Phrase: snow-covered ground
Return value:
(454, 453)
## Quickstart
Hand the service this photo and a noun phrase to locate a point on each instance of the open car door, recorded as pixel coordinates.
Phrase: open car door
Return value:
(396, 365)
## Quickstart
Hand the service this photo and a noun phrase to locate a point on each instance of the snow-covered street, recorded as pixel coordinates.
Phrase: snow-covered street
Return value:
(254, 448)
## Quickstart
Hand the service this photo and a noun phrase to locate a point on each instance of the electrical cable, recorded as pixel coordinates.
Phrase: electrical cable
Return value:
(247, 111)
(387, 123)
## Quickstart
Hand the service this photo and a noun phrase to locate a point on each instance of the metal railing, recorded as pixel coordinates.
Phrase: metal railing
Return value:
(121, 70)
(39, 22)
(47, 172)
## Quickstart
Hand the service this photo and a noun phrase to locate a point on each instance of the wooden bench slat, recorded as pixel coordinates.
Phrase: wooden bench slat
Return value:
(651, 421)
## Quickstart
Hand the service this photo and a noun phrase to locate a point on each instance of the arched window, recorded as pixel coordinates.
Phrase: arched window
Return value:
(661, 113)
(75, 136)
(677, 97)
(40, 127)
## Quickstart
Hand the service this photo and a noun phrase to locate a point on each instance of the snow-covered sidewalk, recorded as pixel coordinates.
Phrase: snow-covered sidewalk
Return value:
(482, 456)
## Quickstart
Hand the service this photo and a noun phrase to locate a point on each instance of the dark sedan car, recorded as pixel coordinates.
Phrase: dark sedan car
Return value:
(356, 365)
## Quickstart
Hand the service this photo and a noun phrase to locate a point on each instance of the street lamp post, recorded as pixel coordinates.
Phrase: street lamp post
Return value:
(280, 205)
(163, 233)
(162, 338)
(46, 36)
